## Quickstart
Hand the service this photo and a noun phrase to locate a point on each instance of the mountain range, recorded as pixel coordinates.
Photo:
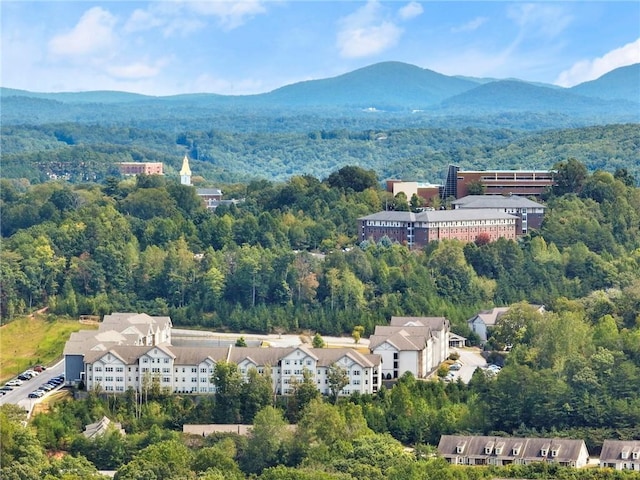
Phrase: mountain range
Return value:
(391, 87)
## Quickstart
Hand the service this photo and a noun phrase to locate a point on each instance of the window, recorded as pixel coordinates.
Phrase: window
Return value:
(119, 379)
(194, 379)
(98, 379)
(166, 360)
(203, 370)
(166, 370)
(108, 379)
(108, 369)
(109, 388)
(166, 379)
(97, 369)
(155, 369)
(119, 369)
(145, 360)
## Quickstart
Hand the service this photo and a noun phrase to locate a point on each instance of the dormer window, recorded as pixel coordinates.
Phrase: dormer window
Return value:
(554, 452)
(516, 449)
(625, 453)
(499, 448)
(488, 448)
(460, 447)
(635, 454)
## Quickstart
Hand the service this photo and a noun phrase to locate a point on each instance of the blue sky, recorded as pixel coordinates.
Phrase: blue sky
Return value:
(253, 46)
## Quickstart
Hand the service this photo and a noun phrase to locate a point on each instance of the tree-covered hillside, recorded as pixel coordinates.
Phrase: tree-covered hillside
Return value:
(90, 153)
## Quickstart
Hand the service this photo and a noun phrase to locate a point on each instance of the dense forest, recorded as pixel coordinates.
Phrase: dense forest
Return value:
(287, 258)
(223, 153)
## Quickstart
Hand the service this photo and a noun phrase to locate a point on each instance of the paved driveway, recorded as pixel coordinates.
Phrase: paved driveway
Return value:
(470, 359)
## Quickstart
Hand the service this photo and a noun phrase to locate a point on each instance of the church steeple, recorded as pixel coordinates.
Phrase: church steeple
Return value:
(185, 171)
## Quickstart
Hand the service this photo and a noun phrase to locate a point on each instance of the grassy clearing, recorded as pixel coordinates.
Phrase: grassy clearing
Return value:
(34, 340)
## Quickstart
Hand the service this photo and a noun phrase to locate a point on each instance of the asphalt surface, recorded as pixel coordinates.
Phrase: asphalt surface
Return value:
(470, 359)
(20, 395)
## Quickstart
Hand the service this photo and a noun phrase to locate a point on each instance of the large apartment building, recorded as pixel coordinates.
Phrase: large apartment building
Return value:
(418, 229)
(133, 350)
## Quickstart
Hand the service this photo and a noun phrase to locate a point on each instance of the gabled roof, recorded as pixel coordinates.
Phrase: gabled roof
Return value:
(612, 450)
(533, 449)
(196, 355)
(490, 317)
(402, 338)
(434, 323)
(100, 428)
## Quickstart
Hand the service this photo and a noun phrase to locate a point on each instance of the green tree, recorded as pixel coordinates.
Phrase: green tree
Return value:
(318, 341)
(268, 441)
(228, 382)
(338, 378)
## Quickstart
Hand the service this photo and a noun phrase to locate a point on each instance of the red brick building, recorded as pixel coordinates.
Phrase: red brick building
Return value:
(140, 168)
(497, 182)
(418, 229)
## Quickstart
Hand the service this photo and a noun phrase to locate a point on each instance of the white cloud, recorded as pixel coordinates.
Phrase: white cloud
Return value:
(93, 33)
(586, 70)
(136, 70)
(365, 32)
(410, 10)
(470, 25)
(182, 17)
(540, 19)
(230, 15)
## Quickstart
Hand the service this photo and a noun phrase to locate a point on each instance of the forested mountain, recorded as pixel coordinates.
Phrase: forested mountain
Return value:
(392, 88)
(621, 83)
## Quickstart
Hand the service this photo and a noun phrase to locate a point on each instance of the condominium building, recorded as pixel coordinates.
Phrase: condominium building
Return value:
(140, 168)
(135, 351)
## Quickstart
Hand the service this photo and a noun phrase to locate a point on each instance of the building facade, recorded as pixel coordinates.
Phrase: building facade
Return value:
(140, 168)
(135, 351)
(497, 182)
(418, 229)
(411, 344)
(486, 450)
(620, 455)
(529, 214)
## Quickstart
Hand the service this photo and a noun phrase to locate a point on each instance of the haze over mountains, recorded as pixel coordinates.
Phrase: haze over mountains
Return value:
(389, 87)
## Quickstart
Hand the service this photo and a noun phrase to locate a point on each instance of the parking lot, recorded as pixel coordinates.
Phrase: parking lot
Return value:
(20, 393)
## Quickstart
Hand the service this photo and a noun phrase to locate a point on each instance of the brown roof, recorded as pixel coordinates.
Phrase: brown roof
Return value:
(434, 323)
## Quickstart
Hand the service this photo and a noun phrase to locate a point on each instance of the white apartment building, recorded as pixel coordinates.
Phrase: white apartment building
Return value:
(114, 361)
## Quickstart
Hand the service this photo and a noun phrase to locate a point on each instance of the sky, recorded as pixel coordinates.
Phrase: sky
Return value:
(253, 46)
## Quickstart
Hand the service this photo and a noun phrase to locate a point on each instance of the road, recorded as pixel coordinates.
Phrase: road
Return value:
(20, 395)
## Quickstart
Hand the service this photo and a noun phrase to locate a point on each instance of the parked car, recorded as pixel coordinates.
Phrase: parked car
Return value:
(15, 383)
(39, 368)
(455, 366)
(36, 394)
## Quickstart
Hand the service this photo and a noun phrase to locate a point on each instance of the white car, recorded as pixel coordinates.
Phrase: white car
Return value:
(15, 383)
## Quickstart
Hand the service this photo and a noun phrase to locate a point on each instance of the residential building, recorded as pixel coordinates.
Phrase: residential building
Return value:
(411, 344)
(418, 229)
(529, 213)
(488, 450)
(484, 320)
(140, 168)
(620, 454)
(481, 322)
(135, 350)
(497, 182)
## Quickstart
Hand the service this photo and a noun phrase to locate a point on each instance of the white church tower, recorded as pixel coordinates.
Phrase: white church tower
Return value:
(185, 171)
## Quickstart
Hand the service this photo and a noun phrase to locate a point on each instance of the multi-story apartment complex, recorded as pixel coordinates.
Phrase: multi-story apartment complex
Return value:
(620, 455)
(411, 344)
(134, 350)
(529, 213)
(418, 229)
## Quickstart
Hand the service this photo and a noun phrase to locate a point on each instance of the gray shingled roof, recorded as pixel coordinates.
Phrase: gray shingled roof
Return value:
(459, 214)
(612, 449)
(496, 201)
(567, 450)
(434, 323)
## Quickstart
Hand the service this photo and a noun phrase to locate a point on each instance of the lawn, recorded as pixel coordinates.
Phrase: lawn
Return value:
(34, 340)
